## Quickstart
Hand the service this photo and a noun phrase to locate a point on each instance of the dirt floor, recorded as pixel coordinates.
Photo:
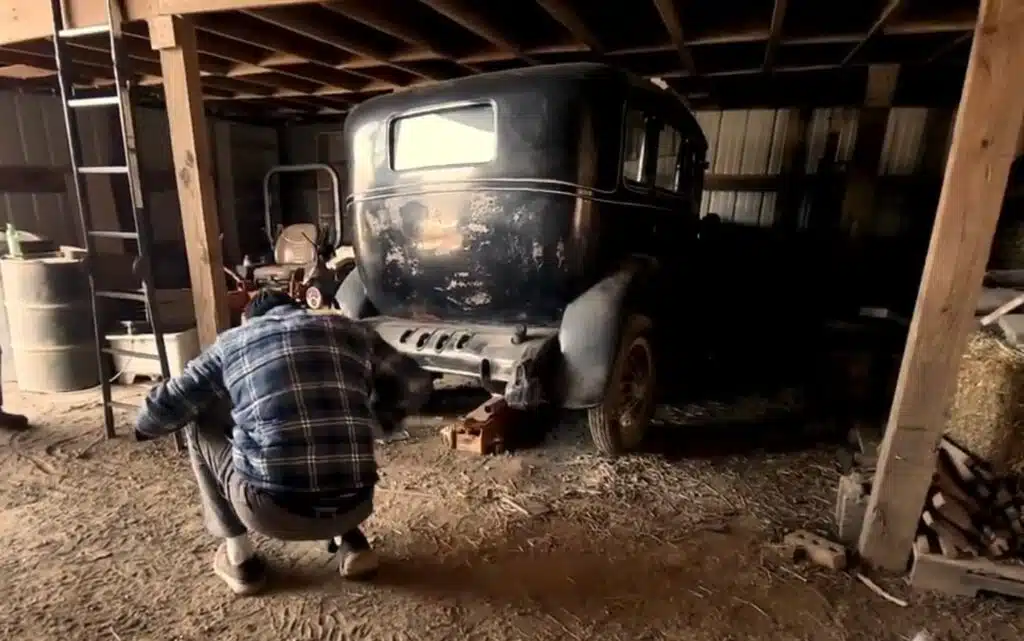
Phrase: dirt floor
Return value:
(102, 540)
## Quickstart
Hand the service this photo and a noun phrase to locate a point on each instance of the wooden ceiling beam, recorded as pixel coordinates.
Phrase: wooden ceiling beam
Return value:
(298, 20)
(248, 30)
(11, 57)
(674, 25)
(290, 51)
(890, 12)
(568, 18)
(326, 76)
(775, 34)
(369, 14)
(462, 14)
(949, 47)
(184, 7)
(43, 50)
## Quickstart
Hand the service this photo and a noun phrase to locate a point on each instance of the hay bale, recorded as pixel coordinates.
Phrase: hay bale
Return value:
(988, 410)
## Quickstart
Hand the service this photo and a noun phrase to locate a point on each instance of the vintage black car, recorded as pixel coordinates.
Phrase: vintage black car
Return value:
(529, 228)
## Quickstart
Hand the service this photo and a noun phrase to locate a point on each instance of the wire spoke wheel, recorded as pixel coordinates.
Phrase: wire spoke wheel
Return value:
(619, 423)
(635, 395)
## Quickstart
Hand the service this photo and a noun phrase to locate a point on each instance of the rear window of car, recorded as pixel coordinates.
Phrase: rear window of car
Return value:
(444, 138)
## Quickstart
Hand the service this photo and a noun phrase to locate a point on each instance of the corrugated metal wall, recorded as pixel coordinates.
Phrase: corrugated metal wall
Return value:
(246, 153)
(752, 142)
(36, 138)
(313, 198)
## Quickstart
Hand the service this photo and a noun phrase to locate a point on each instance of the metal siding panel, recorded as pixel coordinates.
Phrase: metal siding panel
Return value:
(757, 142)
(52, 208)
(57, 150)
(780, 131)
(722, 203)
(731, 135)
(768, 204)
(254, 150)
(710, 122)
(846, 120)
(32, 136)
(823, 122)
(817, 132)
(904, 137)
(153, 139)
(10, 154)
(747, 210)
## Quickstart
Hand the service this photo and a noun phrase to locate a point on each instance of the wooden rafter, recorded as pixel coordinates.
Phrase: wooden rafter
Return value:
(891, 11)
(567, 17)
(249, 30)
(674, 25)
(357, 48)
(464, 15)
(949, 47)
(300, 21)
(371, 16)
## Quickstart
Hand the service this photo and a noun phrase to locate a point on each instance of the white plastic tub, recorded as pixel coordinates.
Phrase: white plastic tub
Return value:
(181, 347)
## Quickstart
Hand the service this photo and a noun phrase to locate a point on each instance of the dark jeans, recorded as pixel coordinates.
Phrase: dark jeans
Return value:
(231, 507)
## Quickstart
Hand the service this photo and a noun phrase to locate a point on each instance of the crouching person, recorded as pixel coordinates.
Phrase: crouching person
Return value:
(284, 412)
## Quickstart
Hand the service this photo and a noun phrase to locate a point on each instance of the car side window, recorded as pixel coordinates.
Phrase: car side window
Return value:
(669, 141)
(633, 146)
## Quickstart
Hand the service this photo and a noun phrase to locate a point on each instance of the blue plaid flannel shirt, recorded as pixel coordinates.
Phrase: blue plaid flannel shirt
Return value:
(308, 393)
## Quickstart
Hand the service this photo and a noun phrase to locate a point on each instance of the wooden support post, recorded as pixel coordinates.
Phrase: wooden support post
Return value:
(984, 138)
(872, 122)
(175, 39)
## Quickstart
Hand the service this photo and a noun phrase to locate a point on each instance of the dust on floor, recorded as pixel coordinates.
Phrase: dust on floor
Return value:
(102, 540)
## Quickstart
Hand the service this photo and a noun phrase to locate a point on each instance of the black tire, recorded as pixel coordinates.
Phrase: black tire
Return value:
(610, 436)
(315, 298)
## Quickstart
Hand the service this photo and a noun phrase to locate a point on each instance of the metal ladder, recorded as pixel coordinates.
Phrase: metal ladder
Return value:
(120, 98)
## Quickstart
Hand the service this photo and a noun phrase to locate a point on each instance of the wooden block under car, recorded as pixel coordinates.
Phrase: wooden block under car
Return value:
(482, 431)
(817, 549)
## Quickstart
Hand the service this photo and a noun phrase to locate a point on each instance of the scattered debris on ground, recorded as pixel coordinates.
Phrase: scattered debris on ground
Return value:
(103, 540)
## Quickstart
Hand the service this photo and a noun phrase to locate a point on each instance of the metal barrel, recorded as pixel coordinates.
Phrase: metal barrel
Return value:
(49, 315)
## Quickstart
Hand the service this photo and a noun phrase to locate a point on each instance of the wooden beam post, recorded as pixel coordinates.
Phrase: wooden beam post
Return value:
(175, 39)
(984, 137)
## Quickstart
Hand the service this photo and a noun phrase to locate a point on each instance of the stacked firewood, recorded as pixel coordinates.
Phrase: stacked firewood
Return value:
(971, 511)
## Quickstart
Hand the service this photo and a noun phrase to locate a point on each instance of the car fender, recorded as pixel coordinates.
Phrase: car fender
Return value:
(352, 299)
(589, 336)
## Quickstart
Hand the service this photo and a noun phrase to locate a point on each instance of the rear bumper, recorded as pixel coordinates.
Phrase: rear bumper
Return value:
(489, 354)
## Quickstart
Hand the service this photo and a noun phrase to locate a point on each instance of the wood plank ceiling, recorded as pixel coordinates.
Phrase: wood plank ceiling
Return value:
(322, 58)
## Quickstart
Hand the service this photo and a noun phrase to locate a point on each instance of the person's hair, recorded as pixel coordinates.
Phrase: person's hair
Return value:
(266, 300)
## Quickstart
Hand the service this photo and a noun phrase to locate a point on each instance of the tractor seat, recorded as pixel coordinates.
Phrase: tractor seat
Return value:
(292, 251)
